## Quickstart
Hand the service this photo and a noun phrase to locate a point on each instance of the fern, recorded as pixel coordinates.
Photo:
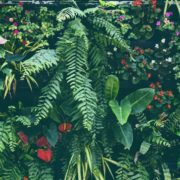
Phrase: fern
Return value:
(157, 138)
(43, 60)
(129, 170)
(10, 173)
(166, 172)
(39, 171)
(23, 120)
(76, 56)
(48, 96)
(70, 13)
(113, 34)
(7, 136)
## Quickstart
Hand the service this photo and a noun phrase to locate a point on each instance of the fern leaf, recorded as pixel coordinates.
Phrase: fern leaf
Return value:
(48, 96)
(70, 13)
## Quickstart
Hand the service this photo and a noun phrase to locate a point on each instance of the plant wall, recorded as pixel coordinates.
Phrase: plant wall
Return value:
(89, 94)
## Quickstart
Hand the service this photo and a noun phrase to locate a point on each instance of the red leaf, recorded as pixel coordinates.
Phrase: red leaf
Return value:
(42, 141)
(23, 137)
(65, 127)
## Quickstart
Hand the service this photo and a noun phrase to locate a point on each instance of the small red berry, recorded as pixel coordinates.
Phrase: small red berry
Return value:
(149, 107)
(169, 106)
(152, 85)
(149, 75)
(161, 93)
(123, 61)
(155, 97)
(169, 93)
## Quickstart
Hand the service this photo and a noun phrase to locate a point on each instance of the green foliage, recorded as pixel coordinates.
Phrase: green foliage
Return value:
(48, 96)
(140, 99)
(43, 60)
(129, 170)
(70, 13)
(39, 171)
(111, 87)
(7, 136)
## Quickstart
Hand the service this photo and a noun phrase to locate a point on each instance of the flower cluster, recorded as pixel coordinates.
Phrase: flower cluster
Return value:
(162, 99)
(44, 151)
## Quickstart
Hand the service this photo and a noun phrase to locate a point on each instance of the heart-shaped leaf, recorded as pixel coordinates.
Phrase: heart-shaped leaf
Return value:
(52, 134)
(121, 112)
(140, 99)
(123, 134)
(111, 87)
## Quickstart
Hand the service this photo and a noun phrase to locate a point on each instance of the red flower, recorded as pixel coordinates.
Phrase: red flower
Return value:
(169, 93)
(149, 75)
(25, 178)
(149, 107)
(154, 3)
(161, 93)
(137, 2)
(152, 85)
(15, 32)
(42, 141)
(20, 4)
(23, 137)
(24, 43)
(65, 127)
(141, 51)
(155, 97)
(123, 61)
(169, 106)
(44, 154)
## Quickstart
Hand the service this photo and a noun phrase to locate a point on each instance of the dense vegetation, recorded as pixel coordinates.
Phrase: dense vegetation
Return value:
(89, 94)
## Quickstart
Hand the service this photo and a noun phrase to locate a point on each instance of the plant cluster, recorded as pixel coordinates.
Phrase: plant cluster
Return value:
(83, 98)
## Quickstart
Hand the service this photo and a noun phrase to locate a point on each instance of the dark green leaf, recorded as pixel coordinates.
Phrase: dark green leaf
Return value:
(124, 134)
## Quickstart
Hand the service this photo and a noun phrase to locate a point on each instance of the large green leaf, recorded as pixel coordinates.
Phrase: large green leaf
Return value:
(121, 112)
(52, 134)
(111, 87)
(123, 134)
(140, 99)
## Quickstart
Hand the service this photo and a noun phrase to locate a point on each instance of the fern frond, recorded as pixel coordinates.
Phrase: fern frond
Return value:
(129, 170)
(43, 60)
(23, 120)
(75, 53)
(39, 171)
(69, 13)
(7, 136)
(48, 96)
(113, 34)
(87, 103)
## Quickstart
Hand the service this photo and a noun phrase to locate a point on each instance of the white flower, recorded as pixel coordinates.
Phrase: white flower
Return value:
(163, 40)
(115, 49)
(164, 50)
(157, 46)
(109, 53)
(169, 59)
(153, 61)
(2, 40)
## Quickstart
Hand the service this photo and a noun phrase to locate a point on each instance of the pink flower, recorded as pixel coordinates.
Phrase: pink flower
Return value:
(158, 23)
(24, 43)
(177, 33)
(15, 24)
(168, 14)
(20, 4)
(2, 40)
(15, 32)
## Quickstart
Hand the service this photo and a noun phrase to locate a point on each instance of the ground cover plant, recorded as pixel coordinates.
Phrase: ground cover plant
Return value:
(90, 93)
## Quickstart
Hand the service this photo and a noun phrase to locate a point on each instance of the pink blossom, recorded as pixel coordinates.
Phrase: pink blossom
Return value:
(158, 23)
(168, 14)
(15, 24)
(177, 33)
(2, 40)
(15, 32)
